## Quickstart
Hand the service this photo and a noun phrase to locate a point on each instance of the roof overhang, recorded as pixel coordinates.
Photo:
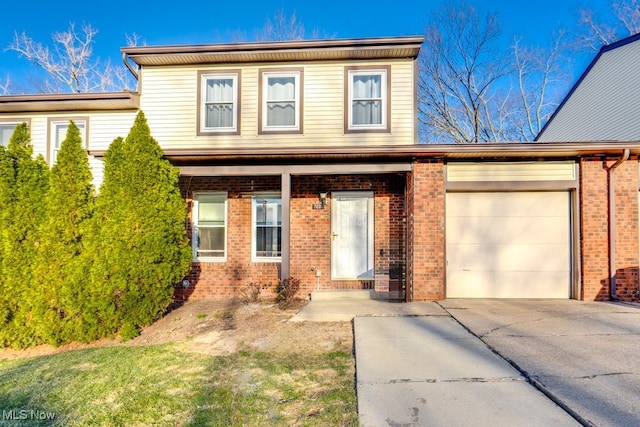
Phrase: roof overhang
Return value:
(397, 153)
(70, 102)
(299, 50)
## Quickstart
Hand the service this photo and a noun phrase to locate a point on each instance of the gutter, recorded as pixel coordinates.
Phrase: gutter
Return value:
(612, 224)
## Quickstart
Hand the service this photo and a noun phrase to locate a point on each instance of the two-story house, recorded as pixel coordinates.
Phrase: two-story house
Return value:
(301, 159)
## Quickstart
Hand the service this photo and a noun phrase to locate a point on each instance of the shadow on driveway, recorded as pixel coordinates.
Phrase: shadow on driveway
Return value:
(586, 355)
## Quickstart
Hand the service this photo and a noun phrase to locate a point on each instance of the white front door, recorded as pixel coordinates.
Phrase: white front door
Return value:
(351, 235)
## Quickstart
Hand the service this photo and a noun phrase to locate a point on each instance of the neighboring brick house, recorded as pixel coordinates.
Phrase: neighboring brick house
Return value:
(300, 159)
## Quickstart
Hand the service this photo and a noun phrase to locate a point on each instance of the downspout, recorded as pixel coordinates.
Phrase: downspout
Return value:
(612, 224)
(125, 59)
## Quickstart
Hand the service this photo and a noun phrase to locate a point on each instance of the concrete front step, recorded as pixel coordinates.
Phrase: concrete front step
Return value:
(341, 294)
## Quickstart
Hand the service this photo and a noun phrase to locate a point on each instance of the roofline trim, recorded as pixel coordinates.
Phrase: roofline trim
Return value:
(128, 100)
(272, 46)
(452, 151)
(84, 96)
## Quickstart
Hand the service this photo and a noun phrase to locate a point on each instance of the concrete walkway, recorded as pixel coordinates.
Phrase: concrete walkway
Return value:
(459, 362)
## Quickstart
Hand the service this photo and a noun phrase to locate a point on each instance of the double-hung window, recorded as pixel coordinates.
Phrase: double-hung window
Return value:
(267, 227)
(209, 218)
(6, 132)
(58, 133)
(281, 101)
(219, 104)
(367, 99)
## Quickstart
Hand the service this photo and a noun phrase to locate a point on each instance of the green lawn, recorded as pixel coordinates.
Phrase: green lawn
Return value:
(163, 386)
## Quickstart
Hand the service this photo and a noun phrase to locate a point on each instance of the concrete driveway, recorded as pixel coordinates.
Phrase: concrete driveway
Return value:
(584, 355)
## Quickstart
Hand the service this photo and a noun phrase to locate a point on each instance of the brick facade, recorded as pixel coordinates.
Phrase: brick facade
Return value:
(427, 234)
(310, 230)
(409, 226)
(594, 229)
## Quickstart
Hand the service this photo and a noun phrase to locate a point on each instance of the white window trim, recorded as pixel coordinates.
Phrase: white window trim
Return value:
(385, 98)
(195, 226)
(254, 228)
(203, 102)
(297, 100)
(53, 133)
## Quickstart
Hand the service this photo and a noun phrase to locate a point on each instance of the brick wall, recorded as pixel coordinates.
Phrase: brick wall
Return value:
(594, 226)
(311, 228)
(310, 232)
(626, 180)
(427, 233)
(225, 279)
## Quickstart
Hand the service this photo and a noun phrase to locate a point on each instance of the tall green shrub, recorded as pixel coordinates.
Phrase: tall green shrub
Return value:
(138, 241)
(59, 272)
(23, 187)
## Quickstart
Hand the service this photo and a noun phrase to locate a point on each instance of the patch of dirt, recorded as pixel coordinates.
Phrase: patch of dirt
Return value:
(217, 327)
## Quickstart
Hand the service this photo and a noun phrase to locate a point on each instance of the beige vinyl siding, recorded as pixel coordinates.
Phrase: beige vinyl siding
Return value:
(170, 103)
(103, 128)
(521, 171)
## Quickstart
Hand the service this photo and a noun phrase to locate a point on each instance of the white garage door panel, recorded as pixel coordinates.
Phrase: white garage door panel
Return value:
(469, 230)
(494, 284)
(528, 204)
(511, 257)
(508, 245)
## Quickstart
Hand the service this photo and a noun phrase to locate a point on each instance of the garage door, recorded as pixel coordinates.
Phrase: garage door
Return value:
(508, 245)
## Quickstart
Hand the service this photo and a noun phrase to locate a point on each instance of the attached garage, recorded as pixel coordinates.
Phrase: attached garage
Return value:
(509, 231)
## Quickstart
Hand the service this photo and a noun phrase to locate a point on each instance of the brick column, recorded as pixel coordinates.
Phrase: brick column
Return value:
(426, 209)
(594, 229)
(626, 202)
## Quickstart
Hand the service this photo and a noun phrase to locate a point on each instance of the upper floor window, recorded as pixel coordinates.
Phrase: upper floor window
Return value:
(209, 217)
(6, 132)
(281, 101)
(266, 227)
(8, 127)
(219, 105)
(368, 99)
(58, 133)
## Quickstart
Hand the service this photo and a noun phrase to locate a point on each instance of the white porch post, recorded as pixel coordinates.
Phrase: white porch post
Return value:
(285, 230)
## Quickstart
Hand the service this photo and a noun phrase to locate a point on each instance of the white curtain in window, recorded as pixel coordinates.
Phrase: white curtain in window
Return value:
(281, 97)
(367, 100)
(219, 102)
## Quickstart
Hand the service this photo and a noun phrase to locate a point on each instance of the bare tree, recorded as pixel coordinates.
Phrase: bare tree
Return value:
(70, 64)
(542, 80)
(603, 28)
(4, 86)
(463, 90)
(283, 27)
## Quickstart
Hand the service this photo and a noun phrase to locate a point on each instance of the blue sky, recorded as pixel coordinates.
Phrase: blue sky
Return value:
(192, 21)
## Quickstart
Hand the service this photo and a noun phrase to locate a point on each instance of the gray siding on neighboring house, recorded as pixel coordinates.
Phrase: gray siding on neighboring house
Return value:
(604, 104)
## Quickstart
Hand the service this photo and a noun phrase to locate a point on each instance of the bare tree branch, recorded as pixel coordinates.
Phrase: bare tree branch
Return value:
(70, 63)
(4, 86)
(460, 79)
(541, 81)
(283, 27)
(603, 28)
